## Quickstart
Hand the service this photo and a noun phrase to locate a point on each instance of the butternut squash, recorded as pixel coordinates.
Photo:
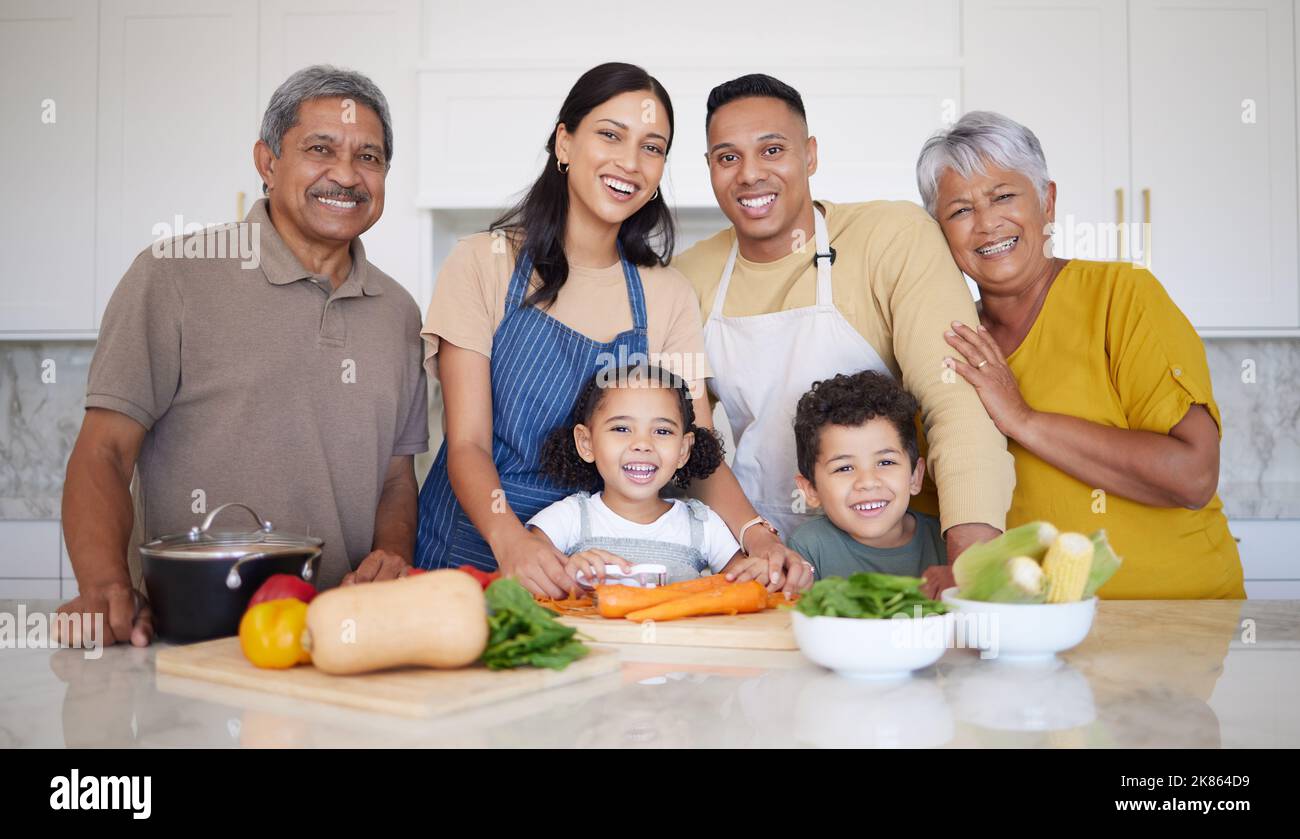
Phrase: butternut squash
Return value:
(438, 619)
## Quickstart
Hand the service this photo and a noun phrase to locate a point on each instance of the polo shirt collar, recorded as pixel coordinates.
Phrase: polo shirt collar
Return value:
(281, 267)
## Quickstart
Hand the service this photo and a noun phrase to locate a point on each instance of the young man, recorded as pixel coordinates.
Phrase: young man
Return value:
(798, 290)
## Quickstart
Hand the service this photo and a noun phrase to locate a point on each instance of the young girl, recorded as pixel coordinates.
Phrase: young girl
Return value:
(633, 432)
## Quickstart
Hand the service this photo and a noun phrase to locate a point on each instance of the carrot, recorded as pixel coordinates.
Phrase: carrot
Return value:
(732, 599)
(615, 601)
(780, 598)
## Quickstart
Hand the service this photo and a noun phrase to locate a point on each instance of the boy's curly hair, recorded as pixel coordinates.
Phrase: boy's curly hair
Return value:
(560, 460)
(852, 399)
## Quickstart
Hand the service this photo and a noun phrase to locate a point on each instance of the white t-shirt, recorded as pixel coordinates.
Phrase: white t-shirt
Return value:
(562, 524)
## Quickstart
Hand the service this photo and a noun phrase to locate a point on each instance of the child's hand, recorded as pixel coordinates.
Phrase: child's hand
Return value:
(937, 578)
(591, 564)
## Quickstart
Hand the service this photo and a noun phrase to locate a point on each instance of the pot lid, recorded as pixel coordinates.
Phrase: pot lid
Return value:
(201, 542)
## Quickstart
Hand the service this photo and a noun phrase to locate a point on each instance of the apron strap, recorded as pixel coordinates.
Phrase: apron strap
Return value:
(697, 513)
(720, 297)
(584, 514)
(519, 280)
(635, 293)
(823, 259)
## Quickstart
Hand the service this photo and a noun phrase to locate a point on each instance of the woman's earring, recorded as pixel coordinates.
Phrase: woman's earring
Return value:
(656, 195)
(562, 168)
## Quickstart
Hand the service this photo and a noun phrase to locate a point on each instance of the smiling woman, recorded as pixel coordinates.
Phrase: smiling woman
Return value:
(1094, 375)
(523, 315)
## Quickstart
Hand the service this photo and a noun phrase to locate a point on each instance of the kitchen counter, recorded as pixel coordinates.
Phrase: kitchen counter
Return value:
(1151, 673)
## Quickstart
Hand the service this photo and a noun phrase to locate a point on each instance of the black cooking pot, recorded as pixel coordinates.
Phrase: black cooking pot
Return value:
(200, 582)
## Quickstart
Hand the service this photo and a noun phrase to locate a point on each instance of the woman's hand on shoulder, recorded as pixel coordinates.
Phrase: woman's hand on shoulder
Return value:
(983, 365)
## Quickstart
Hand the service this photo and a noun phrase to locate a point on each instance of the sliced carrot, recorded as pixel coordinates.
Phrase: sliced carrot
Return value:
(732, 599)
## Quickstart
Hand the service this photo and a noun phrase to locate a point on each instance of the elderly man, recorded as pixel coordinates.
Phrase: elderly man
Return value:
(291, 381)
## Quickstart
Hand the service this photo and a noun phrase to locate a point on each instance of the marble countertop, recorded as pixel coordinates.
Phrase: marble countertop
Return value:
(1151, 673)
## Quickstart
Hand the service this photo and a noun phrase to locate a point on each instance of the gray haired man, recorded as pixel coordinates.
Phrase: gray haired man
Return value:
(291, 382)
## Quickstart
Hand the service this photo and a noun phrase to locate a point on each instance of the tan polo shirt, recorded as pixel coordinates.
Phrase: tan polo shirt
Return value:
(259, 383)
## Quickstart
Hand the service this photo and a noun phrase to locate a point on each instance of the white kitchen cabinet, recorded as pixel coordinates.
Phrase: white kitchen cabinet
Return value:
(29, 559)
(1176, 112)
(1214, 149)
(177, 122)
(67, 577)
(1270, 557)
(48, 108)
(381, 39)
(1066, 79)
(31, 549)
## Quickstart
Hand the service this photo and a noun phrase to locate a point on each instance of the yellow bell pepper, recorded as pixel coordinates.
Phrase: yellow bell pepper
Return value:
(271, 633)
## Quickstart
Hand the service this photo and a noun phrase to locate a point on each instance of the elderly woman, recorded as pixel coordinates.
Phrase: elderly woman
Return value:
(1096, 378)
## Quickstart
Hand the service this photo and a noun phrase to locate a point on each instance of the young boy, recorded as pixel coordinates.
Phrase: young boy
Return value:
(855, 441)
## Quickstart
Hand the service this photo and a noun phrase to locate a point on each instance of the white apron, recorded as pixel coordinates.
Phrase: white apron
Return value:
(761, 365)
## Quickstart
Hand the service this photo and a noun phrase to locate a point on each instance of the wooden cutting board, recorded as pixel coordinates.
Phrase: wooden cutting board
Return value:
(409, 692)
(767, 630)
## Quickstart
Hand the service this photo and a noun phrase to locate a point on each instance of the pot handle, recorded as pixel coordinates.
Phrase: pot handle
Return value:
(263, 525)
(233, 580)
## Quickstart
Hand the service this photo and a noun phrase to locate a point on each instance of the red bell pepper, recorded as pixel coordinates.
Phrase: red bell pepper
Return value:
(281, 587)
(484, 578)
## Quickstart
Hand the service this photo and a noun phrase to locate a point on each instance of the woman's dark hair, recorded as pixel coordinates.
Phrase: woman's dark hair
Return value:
(852, 399)
(536, 223)
(560, 460)
(755, 84)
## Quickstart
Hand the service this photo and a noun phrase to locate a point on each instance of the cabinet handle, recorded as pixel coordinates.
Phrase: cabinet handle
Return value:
(239, 206)
(1146, 228)
(1122, 250)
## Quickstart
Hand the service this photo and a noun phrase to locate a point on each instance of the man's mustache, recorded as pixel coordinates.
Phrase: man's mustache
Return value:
(341, 194)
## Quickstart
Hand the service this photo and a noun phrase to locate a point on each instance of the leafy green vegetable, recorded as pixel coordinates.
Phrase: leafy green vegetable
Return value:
(867, 596)
(522, 632)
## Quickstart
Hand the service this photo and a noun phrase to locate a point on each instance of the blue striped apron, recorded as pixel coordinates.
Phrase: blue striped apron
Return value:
(538, 368)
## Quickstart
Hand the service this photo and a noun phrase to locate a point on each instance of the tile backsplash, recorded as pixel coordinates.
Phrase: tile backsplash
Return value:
(1256, 382)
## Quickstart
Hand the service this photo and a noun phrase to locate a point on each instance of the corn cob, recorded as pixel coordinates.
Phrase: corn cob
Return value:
(981, 570)
(1067, 566)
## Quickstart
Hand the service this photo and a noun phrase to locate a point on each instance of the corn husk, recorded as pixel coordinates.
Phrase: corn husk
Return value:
(1104, 564)
(983, 572)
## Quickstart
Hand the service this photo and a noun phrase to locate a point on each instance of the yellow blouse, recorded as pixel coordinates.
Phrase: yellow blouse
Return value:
(1111, 347)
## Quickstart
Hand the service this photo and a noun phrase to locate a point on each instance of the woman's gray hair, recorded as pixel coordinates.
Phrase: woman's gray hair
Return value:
(977, 138)
(322, 81)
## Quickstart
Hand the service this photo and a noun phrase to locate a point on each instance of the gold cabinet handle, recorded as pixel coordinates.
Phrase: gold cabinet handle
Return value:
(1146, 228)
(239, 206)
(1122, 248)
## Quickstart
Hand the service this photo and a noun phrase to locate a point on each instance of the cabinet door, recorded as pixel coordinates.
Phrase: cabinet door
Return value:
(1061, 70)
(1214, 148)
(178, 120)
(380, 38)
(47, 108)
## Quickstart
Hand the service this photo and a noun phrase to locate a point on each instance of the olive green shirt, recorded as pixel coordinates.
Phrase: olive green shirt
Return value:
(834, 553)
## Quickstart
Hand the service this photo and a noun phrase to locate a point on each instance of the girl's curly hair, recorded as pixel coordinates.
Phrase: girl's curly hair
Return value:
(560, 460)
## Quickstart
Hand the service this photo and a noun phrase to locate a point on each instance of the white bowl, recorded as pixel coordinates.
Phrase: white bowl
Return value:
(1020, 631)
(866, 648)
